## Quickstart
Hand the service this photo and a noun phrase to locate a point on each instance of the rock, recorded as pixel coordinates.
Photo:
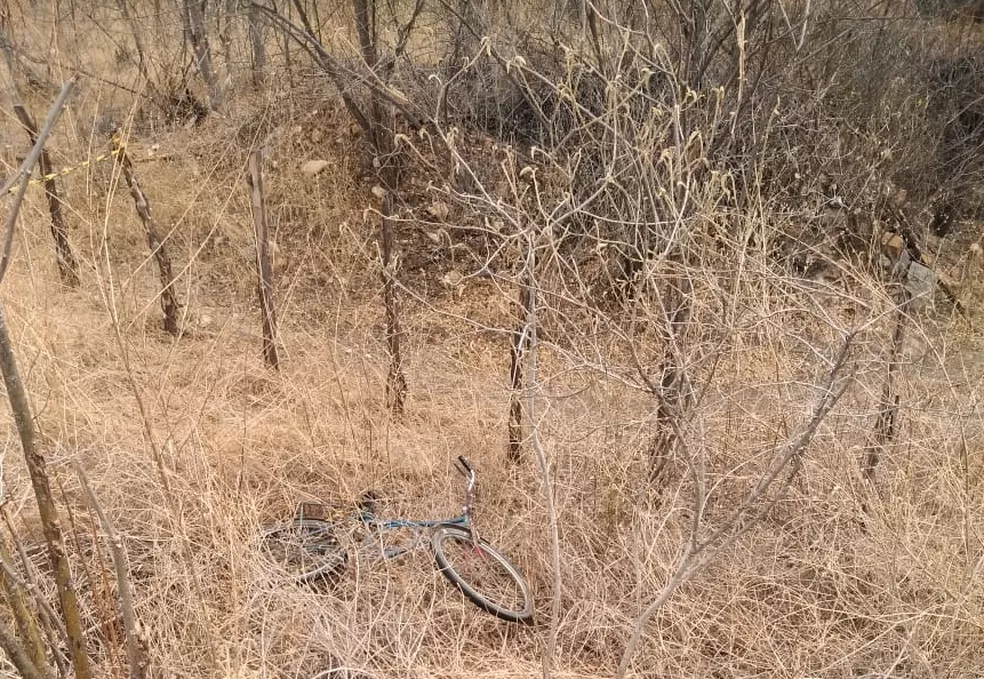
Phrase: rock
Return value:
(313, 167)
(921, 282)
(893, 252)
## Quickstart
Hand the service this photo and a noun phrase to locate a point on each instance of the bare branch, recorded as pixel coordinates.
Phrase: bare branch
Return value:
(701, 552)
(135, 652)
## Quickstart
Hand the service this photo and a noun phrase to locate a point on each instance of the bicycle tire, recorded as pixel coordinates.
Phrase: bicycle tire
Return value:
(506, 611)
(308, 549)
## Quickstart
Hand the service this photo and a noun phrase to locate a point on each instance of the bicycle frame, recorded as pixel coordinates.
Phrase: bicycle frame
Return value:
(376, 526)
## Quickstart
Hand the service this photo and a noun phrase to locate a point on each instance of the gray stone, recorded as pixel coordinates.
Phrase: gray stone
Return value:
(313, 167)
(921, 282)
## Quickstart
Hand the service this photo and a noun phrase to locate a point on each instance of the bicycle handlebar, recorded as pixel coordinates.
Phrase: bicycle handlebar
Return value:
(464, 466)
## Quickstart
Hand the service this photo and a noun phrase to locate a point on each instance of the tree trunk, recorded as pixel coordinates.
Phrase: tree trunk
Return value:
(68, 268)
(255, 179)
(138, 42)
(24, 421)
(169, 300)
(47, 510)
(673, 397)
(396, 382)
(257, 46)
(520, 344)
(203, 56)
(389, 163)
(888, 406)
(136, 651)
(17, 655)
(24, 618)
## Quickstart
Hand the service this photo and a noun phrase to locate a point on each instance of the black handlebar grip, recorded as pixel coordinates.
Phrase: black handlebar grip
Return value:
(464, 463)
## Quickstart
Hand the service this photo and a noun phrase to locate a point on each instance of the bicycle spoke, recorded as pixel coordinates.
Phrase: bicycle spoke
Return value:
(483, 572)
(305, 548)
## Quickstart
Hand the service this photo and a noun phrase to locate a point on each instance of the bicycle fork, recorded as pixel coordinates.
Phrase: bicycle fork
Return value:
(469, 472)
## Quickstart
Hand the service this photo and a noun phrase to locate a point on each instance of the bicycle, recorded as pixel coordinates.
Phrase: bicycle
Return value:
(311, 550)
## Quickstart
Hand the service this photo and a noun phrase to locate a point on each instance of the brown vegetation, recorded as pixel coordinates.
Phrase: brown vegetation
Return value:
(696, 287)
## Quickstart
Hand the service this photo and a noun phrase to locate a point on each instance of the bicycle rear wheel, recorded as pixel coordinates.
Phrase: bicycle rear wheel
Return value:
(483, 574)
(306, 549)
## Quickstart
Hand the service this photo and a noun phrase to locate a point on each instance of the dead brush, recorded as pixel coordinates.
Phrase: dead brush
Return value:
(686, 494)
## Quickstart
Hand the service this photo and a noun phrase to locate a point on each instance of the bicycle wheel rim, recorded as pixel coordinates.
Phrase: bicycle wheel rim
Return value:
(305, 549)
(483, 574)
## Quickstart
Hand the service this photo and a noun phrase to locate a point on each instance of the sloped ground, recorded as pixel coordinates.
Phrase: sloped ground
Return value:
(817, 589)
(841, 579)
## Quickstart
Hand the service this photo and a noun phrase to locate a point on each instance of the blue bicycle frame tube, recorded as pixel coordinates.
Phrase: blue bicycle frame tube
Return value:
(396, 524)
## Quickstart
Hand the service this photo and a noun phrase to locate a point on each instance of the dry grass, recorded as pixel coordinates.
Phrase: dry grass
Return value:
(818, 588)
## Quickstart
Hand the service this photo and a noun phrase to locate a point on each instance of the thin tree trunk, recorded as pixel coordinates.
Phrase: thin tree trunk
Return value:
(223, 26)
(24, 618)
(18, 656)
(169, 300)
(136, 652)
(52, 626)
(672, 398)
(389, 175)
(24, 421)
(203, 55)
(288, 58)
(888, 407)
(396, 382)
(46, 505)
(365, 12)
(530, 344)
(68, 267)
(137, 41)
(782, 469)
(521, 340)
(257, 46)
(255, 180)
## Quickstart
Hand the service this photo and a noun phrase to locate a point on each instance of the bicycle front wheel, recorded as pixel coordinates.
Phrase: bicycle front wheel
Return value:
(307, 549)
(483, 574)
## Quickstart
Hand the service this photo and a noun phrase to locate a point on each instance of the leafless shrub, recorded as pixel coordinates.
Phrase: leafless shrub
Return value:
(695, 221)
